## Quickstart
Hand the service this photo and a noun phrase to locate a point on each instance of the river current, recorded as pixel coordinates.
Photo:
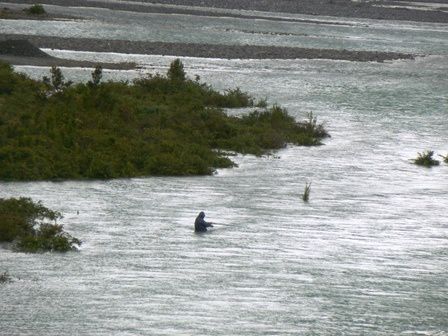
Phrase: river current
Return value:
(367, 255)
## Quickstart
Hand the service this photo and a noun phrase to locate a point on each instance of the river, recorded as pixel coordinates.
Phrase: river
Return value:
(367, 255)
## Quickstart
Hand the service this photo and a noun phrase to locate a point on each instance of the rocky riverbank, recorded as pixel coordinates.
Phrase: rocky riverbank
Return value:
(26, 53)
(321, 7)
(22, 52)
(411, 10)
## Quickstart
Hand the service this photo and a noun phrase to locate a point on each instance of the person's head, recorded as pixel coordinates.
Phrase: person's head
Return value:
(201, 214)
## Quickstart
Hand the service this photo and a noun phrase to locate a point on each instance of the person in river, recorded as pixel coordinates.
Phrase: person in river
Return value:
(200, 225)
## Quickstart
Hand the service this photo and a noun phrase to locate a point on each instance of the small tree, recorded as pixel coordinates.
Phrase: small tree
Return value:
(56, 83)
(176, 71)
(97, 75)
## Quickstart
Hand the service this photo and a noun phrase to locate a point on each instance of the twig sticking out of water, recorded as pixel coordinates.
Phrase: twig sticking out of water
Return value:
(306, 193)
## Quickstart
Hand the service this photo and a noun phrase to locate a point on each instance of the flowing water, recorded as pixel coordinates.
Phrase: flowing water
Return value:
(368, 255)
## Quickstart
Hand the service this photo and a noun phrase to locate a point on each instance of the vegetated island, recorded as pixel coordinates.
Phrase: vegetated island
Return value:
(156, 125)
(28, 226)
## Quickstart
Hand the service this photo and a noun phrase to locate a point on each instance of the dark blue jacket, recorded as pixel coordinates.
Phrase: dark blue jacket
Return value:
(200, 225)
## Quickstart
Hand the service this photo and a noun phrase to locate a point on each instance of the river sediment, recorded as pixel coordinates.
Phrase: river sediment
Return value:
(413, 10)
(184, 49)
(338, 8)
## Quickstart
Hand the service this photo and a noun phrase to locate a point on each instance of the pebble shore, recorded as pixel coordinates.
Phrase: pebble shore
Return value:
(339, 8)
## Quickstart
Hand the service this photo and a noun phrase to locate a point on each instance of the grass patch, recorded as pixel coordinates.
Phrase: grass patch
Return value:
(36, 9)
(31, 227)
(306, 192)
(426, 159)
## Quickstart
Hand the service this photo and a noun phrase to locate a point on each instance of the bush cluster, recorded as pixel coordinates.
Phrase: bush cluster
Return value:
(36, 9)
(157, 125)
(426, 159)
(26, 224)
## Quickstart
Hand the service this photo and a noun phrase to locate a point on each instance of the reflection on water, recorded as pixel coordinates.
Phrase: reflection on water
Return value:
(367, 254)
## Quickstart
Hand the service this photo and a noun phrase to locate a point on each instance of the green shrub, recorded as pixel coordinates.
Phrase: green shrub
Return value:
(176, 71)
(425, 159)
(97, 75)
(19, 216)
(56, 82)
(237, 98)
(36, 9)
(48, 237)
(7, 79)
(25, 223)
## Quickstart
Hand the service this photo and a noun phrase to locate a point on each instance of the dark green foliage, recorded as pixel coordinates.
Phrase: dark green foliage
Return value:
(274, 128)
(6, 79)
(36, 9)
(56, 83)
(25, 223)
(237, 98)
(231, 98)
(11, 81)
(445, 158)
(154, 126)
(49, 237)
(18, 217)
(425, 159)
(97, 74)
(176, 71)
